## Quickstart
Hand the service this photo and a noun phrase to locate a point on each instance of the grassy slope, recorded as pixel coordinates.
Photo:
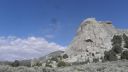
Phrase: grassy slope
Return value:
(115, 66)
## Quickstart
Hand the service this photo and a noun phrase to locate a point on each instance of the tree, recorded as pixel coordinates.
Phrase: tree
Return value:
(117, 49)
(125, 40)
(124, 55)
(95, 60)
(61, 64)
(117, 40)
(38, 64)
(60, 57)
(65, 56)
(48, 65)
(116, 44)
(110, 56)
(15, 63)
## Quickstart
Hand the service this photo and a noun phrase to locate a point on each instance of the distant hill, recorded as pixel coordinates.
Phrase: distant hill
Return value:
(53, 54)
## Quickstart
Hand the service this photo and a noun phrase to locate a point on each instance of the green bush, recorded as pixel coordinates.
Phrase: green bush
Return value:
(117, 39)
(95, 60)
(38, 64)
(124, 55)
(61, 64)
(60, 57)
(15, 63)
(125, 40)
(48, 64)
(110, 56)
(65, 56)
(117, 49)
(116, 44)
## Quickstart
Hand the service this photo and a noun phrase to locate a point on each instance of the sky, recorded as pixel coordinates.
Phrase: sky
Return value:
(37, 27)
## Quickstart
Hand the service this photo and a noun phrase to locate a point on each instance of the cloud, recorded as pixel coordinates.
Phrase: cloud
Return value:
(49, 36)
(12, 48)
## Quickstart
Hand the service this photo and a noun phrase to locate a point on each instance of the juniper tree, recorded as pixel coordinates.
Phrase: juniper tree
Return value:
(116, 49)
(124, 55)
(125, 38)
(116, 44)
(15, 63)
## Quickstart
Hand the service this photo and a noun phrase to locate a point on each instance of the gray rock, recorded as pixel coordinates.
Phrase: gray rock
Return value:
(92, 39)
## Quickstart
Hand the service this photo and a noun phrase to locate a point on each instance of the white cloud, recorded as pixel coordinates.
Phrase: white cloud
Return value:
(12, 48)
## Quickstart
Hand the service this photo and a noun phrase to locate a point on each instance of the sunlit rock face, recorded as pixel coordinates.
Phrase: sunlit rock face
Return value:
(92, 39)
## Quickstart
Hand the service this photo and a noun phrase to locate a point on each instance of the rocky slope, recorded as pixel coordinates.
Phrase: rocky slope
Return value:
(92, 39)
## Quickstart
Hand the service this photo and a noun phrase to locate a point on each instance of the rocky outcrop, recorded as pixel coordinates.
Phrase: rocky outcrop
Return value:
(44, 59)
(92, 39)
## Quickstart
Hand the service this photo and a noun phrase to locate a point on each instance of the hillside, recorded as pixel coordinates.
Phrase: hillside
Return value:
(115, 66)
(92, 39)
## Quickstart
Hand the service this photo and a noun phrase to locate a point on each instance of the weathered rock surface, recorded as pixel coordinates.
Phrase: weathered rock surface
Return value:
(92, 39)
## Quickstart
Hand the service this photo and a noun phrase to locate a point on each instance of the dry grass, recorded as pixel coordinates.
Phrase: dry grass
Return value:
(115, 66)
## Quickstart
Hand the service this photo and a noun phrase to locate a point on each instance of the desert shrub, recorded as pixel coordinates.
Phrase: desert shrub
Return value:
(26, 63)
(65, 56)
(124, 55)
(125, 40)
(15, 63)
(95, 60)
(110, 56)
(38, 64)
(60, 57)
(61, 64)
(48, 65)
(117, 49)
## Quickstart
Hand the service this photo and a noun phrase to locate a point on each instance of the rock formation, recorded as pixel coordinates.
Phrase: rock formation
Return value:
(92, 39)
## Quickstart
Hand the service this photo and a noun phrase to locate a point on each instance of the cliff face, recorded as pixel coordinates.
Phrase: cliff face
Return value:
(92, 39)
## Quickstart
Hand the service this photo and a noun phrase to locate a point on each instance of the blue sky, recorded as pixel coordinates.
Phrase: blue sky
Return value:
(58, 19)
(55, 21)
